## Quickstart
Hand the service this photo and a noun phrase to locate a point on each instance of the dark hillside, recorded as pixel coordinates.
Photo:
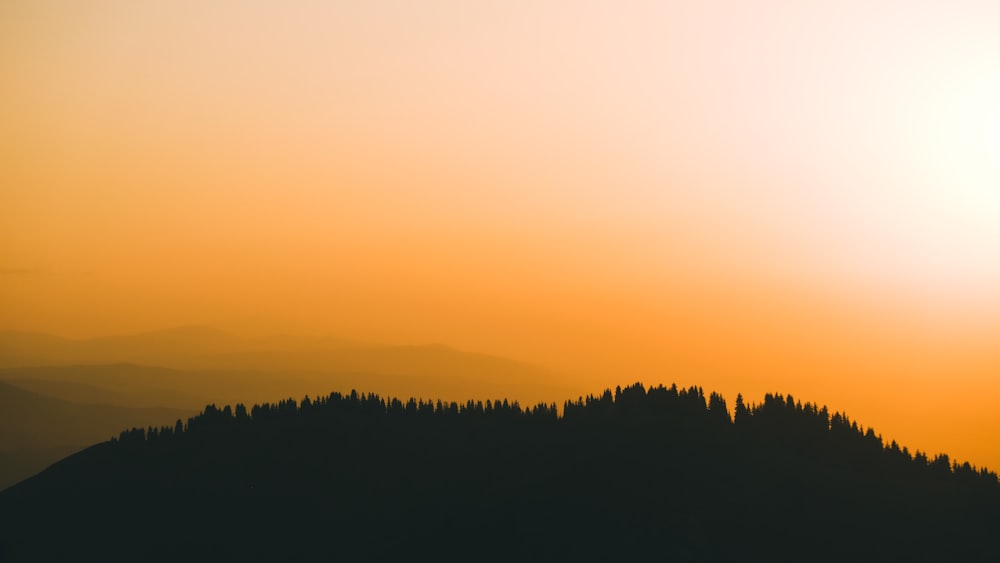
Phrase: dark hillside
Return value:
(36, 430)
(638, 474)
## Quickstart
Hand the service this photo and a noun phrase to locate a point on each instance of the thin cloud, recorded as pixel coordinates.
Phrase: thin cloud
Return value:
(38, 272)
(23, 272)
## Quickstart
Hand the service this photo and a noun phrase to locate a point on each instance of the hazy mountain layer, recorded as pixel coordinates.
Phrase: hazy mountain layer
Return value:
(202, 348)
(219, 367)
(30, 420)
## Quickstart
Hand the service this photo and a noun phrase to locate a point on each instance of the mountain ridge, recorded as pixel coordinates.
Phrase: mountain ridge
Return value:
(637, 473)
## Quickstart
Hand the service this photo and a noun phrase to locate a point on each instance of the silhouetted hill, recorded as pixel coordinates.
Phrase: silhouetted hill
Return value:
(197, 365)
(18, 465)
(638, 474)
(36, 430)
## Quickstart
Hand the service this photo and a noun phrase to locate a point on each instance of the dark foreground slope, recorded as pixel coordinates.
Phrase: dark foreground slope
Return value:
(37, 430)
(657, 474)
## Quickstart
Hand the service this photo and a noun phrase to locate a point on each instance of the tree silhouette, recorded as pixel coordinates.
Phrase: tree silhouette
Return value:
(635, 473)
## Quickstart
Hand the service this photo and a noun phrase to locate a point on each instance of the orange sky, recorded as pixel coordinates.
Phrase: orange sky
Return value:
(772, 196)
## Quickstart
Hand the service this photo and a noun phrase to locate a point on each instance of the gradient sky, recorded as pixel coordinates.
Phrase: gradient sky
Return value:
(750, 196)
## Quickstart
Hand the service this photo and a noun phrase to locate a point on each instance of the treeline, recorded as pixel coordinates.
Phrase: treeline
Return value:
(635, 474)
(804, 429)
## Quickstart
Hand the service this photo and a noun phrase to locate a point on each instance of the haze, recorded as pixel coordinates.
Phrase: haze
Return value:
(785, 196)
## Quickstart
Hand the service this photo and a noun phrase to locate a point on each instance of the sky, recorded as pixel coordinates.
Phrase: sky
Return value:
(790, 196)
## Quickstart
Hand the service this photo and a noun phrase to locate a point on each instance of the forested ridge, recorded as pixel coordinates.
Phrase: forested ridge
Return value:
(635, 473)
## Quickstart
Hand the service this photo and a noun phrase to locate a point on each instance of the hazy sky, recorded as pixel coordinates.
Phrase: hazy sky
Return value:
(751, 196)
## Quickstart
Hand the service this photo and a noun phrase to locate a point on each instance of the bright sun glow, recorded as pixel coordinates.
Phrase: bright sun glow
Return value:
(938, 234)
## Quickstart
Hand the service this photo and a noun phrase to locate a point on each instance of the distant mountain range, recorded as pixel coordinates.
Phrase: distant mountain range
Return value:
(202, 348)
